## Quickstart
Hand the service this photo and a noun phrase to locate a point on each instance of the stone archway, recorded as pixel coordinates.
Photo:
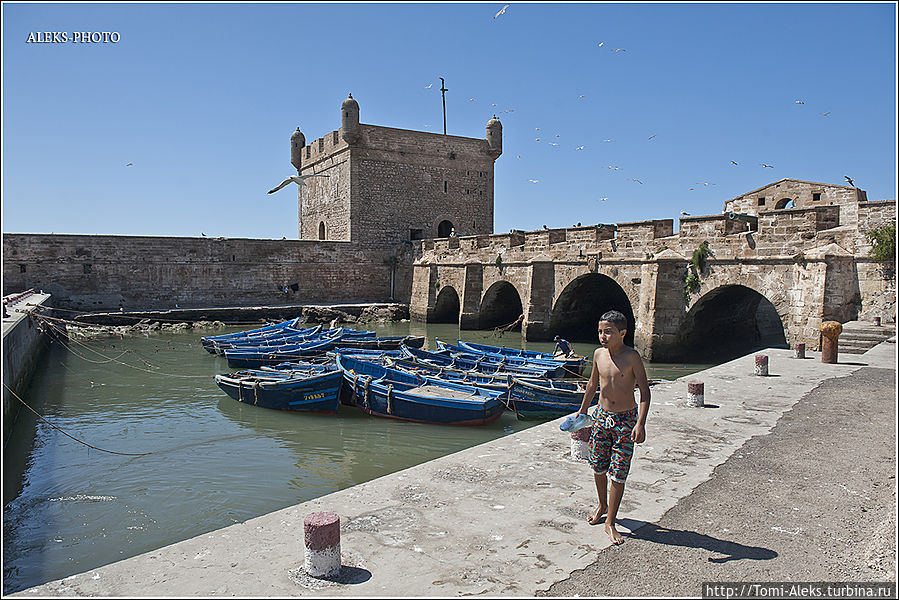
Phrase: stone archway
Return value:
(500, 305)
(583, 301)
(446, 308)
(728, 322)
(784, 203)
(445, 228)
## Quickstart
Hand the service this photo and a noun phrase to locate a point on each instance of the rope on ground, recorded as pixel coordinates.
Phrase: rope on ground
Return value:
(41, 417)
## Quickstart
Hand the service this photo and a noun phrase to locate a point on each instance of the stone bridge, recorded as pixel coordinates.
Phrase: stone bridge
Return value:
(768, 281)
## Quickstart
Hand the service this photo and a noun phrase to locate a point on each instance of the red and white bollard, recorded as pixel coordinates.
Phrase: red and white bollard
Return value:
(322, 537)
(799, 351)
(695, 393)
(580, 447)
(761, 365)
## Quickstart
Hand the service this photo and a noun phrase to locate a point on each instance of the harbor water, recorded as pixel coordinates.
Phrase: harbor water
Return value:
(188, 459)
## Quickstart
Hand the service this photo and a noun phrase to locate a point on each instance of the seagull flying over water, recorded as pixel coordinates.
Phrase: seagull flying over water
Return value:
(849, 179)
(502, 11)
(297, 179)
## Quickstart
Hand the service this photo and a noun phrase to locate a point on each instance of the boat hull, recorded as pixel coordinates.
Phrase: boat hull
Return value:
(318, 393)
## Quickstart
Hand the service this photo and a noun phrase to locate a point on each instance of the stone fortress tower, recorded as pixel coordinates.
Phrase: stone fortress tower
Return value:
(387, 186)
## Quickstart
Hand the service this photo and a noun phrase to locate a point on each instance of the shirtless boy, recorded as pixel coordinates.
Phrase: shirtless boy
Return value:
(617, 422)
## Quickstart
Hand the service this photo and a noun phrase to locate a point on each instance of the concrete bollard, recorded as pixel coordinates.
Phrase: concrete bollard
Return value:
(799, 351)
(877, 321)
(695, 393)
(580, 448)
(761, 365)
(322, 536)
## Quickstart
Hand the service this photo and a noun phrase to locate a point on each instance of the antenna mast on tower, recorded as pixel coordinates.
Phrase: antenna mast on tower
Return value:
(443, 92)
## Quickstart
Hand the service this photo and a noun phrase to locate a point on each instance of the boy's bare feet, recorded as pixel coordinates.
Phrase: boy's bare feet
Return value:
(613, 534)
(597, 514)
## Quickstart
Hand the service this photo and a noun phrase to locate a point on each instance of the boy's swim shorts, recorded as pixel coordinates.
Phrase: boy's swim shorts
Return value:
(611, 446)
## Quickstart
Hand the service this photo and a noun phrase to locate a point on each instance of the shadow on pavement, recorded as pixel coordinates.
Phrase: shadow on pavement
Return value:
(677, 537)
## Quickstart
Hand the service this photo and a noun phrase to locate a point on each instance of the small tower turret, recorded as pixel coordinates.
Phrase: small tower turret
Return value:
(494, 137)
(297, 143)
(349, 120)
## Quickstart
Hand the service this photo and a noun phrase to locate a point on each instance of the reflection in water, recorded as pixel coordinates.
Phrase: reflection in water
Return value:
(214, 461)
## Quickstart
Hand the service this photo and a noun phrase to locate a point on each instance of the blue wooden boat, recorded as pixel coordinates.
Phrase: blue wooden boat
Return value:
(208, 342)
(555, 368)
(546, 399)
(474, 378)
(383, 343)
(390, 393)
(254, 357)
(573, 364)
(271, 341)
(313, 389)
(478, 363)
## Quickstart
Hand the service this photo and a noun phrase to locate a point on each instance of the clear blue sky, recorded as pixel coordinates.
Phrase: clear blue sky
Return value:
(202, 98)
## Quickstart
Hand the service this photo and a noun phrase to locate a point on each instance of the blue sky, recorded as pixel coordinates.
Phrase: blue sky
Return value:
(202, 99)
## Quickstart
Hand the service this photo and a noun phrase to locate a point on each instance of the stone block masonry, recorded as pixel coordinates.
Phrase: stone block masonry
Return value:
(101, 272)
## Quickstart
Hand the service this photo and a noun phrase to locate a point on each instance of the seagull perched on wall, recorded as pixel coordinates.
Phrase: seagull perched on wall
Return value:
(849, 179)
(300, 180)
(502, 11)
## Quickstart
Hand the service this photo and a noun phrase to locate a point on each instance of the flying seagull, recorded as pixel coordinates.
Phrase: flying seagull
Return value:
(533, 180)
(502, 11)
(600, 44)
(769, 166)
(849, 179)
(427, 87)
(685, 213)
(553, 144)
(615, 168)
(733, 162)
(618, 50)
(650, 137)
(581, 96)
(130, 165)
(825, 114)
(800, 102)
(579, 148)
(608, 140)
(637, 180)
(297, 179)
(603, 199)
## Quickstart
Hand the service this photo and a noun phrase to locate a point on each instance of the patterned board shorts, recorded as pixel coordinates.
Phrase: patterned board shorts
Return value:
(611, 446)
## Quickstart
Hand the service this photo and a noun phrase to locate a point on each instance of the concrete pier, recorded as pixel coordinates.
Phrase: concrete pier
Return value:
(508, 517)
(23, 344)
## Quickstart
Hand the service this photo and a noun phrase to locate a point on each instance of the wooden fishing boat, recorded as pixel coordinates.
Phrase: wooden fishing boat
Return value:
(574, 364)
(546, 399)
(313, 389)
(208, 342)
(477, 363)
(254, 357)
(384, 343)
(474, 378)
(555, 367)
(271, 341)
(390, 393)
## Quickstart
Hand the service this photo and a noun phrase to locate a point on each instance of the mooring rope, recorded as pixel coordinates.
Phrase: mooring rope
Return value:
(137, 317)
(41, 417)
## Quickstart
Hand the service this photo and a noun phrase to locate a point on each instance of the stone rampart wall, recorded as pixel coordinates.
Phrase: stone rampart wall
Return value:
(102, 272)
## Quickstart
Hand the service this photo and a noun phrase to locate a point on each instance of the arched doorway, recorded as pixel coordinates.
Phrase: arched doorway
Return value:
(321, 231)
(581, 304)
(444, 228)
(728, 322)
(446, 309)
(784, 203)
(501, 305)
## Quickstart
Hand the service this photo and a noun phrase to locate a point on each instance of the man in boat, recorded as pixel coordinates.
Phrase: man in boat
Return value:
(563, 348)
(617, 422)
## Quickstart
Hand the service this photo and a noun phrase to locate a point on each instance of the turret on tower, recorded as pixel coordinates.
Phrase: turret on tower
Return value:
(349, 120)
(494, 137)
(297, 143)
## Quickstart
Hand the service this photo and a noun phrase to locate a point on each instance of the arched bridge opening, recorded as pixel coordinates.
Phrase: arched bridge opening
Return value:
(581, 304)
(728, 322)
(446, 308)
(501, 305)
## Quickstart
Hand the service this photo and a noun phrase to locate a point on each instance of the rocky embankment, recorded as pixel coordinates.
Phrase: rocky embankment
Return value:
(312, 315)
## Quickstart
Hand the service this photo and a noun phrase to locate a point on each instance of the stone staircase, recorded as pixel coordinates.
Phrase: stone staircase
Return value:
(860, 336)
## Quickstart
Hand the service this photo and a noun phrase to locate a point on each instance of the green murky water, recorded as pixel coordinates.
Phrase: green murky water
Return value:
(213, 461)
